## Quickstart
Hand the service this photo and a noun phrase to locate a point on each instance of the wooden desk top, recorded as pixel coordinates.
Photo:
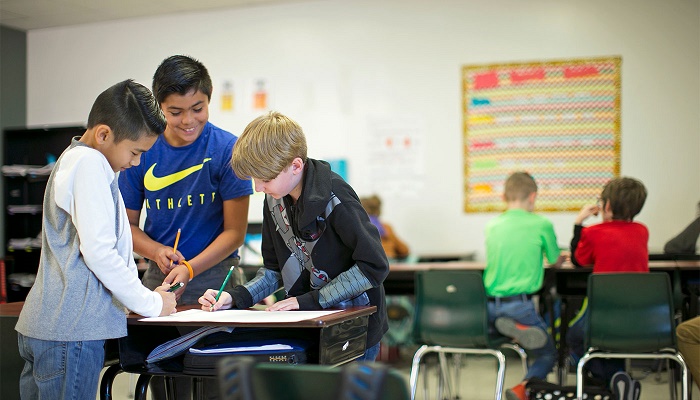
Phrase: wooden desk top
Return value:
(328, 320)
(459, 265)
(13, 310)
(480, 265)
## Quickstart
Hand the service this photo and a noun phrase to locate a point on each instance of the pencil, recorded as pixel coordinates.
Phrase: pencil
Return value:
(175, 286)
(177, 239)
(228, 276)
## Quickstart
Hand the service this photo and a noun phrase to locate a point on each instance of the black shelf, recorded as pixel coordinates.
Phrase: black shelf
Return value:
(36, 147)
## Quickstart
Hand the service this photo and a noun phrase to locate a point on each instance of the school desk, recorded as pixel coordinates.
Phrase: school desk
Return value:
(334, 339)
(569, 284)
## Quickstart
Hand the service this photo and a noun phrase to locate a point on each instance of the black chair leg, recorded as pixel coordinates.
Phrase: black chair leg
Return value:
(108, 381)
(142, 387)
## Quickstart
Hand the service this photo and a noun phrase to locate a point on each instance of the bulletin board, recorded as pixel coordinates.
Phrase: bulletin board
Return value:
(557, 120)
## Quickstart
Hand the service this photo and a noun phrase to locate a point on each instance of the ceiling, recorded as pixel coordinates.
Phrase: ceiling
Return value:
(26, 15)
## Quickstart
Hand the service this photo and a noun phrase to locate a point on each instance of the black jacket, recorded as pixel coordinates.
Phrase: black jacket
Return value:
(345, 250)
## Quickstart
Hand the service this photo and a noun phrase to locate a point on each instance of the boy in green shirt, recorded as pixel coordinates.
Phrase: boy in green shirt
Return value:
(515, 244)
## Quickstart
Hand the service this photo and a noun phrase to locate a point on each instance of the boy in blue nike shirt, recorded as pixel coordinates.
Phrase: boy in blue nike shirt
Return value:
(185, 181)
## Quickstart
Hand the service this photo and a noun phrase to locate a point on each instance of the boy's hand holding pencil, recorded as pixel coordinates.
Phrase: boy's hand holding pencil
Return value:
(209, 302)
(167, 257)
(213, 300)
(181, 273)
(169, 299)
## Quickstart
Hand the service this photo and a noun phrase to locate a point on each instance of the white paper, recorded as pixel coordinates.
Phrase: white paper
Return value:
(247, 316)
(241, 348)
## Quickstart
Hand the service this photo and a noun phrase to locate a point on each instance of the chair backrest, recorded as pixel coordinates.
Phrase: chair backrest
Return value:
(450, 309)
(630, 312)
(241, 379)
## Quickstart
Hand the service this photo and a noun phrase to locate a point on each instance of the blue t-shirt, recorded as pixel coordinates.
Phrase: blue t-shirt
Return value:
(185, 187)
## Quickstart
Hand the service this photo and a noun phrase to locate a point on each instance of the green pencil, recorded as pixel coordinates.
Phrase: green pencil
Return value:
(228, 276)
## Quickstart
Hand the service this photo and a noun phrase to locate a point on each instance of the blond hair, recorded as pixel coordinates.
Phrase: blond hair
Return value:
(519, 186)
(267, 146)
(372, 204)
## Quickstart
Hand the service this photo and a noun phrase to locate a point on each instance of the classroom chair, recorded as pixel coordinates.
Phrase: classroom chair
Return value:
(240, 378)
(631, 316)
(451, 317)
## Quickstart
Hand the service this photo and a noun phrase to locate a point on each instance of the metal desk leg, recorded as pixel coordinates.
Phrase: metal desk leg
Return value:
(197, 388)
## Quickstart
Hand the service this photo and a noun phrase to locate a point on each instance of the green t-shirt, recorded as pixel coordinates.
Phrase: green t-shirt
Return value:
(516, 242)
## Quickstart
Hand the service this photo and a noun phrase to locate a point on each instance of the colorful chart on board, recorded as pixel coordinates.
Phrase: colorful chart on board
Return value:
(557, 120)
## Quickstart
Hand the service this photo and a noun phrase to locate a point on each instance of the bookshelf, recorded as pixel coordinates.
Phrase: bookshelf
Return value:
(25, 167)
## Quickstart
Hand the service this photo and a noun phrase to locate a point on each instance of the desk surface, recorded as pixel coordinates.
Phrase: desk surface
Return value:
(325, 321)
(480, 265)
(11, 309)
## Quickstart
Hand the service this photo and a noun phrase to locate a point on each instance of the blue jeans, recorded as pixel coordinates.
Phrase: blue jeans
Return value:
(60, 370)
(523, 312)
(370, 354)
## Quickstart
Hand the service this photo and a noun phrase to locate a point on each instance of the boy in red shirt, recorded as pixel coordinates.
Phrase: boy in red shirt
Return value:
(618, 244)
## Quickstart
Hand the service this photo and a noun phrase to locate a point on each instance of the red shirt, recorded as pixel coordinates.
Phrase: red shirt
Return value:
(614, 246)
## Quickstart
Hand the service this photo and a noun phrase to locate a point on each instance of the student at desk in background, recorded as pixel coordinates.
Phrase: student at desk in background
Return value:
(185, 181)
(394, 247)
(685, 242)
(515, 244)
(87, 273)
(617, 244)
(317, 240)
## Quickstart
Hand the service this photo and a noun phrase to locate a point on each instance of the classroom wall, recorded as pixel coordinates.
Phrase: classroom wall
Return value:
(13, 98)
(343, 68)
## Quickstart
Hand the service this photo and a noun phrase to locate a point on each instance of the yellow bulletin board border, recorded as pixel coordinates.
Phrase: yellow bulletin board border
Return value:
(557, 120)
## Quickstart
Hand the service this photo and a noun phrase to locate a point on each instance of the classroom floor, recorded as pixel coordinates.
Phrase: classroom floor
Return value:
(478, 379)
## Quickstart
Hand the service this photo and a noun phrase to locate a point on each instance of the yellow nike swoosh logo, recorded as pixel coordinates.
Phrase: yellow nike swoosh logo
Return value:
(154, 183)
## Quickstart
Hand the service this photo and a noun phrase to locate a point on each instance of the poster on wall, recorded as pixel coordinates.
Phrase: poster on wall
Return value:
(557, 120)
(395, 156)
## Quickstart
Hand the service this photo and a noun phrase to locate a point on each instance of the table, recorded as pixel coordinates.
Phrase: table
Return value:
(567, 283)
(401, 275)
(334, 339)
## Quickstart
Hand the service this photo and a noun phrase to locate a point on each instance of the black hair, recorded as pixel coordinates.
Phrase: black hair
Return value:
(129, 109)
(180, 74)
